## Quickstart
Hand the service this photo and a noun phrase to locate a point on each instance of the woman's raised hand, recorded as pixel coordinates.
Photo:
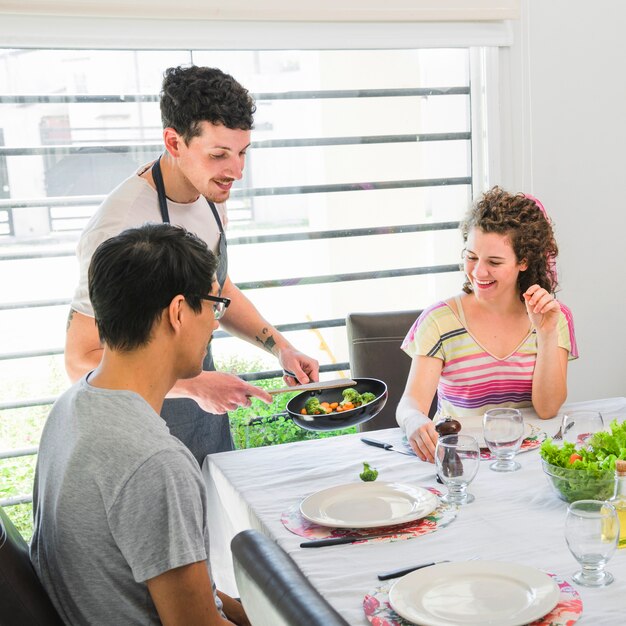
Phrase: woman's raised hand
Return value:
(542, 307)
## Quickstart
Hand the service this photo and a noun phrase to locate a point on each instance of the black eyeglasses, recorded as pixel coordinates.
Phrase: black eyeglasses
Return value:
(220, 306)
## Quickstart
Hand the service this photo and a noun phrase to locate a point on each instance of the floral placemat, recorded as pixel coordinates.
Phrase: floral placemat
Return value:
(565, 613)
(534, 440)
(294, 522)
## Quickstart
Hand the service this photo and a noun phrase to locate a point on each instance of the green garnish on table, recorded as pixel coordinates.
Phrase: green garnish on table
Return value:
(369, 473)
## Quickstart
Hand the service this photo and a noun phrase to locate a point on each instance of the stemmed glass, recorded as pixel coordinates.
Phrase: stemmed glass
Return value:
(592, 532)
(503, 430)
(457, 458)
(578, 426)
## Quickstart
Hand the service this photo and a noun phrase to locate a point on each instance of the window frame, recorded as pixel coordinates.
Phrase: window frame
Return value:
(483, 40)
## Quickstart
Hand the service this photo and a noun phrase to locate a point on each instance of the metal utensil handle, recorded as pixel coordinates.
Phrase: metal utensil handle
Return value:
(396, 573)
(337, 541)
(377, 444)
(330, 384)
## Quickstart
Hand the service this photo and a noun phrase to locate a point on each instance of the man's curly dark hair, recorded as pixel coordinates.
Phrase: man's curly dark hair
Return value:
(191, 95)
(530, 232)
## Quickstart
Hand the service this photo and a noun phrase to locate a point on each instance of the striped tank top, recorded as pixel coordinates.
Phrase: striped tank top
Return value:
(472, 379)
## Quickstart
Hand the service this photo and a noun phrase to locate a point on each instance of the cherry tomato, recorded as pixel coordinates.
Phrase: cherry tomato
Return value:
(575, 457)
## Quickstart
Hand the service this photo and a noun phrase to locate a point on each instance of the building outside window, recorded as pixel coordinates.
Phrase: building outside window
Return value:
(362, 163)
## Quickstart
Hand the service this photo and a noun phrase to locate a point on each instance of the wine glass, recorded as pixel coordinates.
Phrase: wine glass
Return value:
(503, 430)
(457, 458)
(591, 533)
(578, 426)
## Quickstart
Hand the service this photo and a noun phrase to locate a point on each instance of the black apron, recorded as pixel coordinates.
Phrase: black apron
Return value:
(203, 433)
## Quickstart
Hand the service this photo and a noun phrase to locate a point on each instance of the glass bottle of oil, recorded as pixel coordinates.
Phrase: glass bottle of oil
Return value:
(619, 500)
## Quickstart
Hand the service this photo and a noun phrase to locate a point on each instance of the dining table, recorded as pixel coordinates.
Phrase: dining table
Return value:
(516, 517)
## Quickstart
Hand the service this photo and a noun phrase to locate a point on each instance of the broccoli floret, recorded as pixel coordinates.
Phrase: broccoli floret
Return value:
(369, 473)
(313, 406)
(351, 395)
(366, 397)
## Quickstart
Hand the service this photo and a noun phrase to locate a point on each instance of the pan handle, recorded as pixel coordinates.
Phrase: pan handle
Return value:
(268, 418)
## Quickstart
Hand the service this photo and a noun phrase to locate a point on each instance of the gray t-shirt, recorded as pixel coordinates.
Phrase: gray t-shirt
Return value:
(117, 501)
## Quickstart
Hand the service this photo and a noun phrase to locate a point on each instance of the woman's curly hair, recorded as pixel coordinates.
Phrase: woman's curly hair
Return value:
(532, 238)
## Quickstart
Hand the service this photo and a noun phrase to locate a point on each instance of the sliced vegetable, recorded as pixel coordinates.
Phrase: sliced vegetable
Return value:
(351, 400)
(313, 407)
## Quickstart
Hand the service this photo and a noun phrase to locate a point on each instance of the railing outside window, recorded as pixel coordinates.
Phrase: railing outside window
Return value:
(360, 169)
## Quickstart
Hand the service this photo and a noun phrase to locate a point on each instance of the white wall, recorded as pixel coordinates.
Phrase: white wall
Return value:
(565, 142)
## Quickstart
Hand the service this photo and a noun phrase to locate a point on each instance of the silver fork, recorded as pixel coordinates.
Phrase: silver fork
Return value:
(560, 433)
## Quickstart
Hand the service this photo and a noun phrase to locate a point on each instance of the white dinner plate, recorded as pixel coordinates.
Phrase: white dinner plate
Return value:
(368, 505)
(478, 593)
(474, 427)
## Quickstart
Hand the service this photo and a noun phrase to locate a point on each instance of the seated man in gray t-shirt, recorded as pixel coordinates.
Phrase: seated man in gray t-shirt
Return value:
(119, 504)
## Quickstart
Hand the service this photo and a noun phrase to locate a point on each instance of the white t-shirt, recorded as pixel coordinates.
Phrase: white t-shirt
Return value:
(133, 203)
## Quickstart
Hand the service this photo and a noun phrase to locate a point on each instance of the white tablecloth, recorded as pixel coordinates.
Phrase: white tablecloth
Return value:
(516, 517)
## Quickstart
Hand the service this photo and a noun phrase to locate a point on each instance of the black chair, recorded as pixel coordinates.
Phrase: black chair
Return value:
(374, 341)
(23, 600)
(273, 590)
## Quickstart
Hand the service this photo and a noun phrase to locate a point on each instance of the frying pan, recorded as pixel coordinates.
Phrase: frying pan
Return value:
(345, 419)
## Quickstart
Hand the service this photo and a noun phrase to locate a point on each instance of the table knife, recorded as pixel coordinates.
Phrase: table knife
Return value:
(337, 541)
(385, 446)
(396, 573)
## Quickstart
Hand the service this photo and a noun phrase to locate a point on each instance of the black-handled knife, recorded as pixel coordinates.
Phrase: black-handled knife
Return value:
(385, 446)
(396, 573)
(337, 541)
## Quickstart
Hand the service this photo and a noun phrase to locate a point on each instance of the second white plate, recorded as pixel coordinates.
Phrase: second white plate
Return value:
(480, 593)
(368, 505)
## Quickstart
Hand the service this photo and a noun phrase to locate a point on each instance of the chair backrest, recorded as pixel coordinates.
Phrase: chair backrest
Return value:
(273, 590)
(374, 341)
(23, 599)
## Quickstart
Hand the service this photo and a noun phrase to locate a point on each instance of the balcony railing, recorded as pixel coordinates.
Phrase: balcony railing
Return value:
(67, 215)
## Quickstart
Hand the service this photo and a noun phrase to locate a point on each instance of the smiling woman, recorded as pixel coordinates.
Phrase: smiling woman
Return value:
(490, 264)
(504, 342)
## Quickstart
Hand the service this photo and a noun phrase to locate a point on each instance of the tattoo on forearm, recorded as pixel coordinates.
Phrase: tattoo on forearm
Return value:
(267, 340)
(70, 317)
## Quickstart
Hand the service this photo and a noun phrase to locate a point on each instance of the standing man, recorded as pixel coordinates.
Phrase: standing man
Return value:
(207, 119)
(120, 506)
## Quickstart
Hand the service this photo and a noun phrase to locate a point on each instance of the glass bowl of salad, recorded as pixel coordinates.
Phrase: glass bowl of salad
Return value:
(579, 483)
(585, 472)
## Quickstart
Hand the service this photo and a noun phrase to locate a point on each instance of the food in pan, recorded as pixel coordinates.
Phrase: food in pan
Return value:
(351, 399)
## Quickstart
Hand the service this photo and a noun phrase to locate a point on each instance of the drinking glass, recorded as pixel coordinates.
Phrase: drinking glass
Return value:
(457, 458)
(578, 426)
(592, 532)
(503, 430)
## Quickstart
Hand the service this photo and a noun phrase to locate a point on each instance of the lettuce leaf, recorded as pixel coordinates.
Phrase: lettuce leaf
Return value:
(599, 455)
(596, 467)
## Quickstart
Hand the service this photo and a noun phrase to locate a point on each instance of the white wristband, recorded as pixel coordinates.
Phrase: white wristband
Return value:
(412, 422)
